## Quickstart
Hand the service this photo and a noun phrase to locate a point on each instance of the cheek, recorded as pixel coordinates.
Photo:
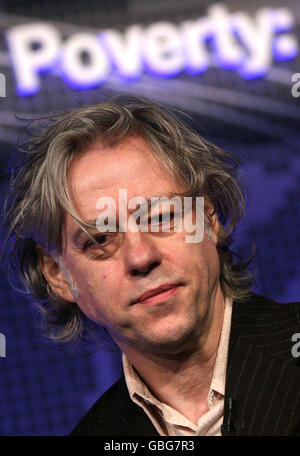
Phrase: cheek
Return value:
(92, 273)
(212, 263)
(204, 258)
(99, 285)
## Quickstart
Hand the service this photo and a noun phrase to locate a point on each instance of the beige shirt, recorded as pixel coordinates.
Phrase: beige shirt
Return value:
(168, 421)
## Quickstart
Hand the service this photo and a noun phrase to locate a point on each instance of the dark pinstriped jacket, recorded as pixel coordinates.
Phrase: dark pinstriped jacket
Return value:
(262, 395)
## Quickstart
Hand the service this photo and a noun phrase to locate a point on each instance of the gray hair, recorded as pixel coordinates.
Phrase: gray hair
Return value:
(38, 197)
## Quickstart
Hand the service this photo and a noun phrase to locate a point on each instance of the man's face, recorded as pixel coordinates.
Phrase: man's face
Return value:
(182, 277)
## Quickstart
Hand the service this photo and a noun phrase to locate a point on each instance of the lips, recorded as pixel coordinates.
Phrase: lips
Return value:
(162, 289)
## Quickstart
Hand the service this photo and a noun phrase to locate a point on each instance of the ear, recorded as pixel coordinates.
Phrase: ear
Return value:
(54, 275)
(213, 220)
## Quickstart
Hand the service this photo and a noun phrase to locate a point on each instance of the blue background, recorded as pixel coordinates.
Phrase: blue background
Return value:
(44, 390)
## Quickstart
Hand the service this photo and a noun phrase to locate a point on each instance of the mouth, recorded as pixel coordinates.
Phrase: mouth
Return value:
(158, 295)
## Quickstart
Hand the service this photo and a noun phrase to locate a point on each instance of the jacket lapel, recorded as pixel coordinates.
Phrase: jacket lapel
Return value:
(262, 386)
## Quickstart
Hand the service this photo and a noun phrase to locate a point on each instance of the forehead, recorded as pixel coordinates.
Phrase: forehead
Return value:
(103, 171)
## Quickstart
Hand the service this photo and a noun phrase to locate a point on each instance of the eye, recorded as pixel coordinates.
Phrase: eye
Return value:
(100, 240)
(161, 218)
(163, 222)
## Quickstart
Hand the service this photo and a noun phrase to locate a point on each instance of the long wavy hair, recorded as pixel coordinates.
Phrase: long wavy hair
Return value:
(38, 196)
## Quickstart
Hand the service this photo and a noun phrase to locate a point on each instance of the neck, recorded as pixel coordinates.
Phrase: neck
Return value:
(183, 380)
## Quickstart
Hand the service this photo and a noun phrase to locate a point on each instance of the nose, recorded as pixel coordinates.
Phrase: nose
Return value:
(141, 254)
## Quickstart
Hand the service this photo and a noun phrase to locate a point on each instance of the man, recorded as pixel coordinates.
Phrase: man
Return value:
(202, 355)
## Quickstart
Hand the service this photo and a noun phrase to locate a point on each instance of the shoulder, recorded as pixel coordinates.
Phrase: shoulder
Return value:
(91, 423)
(266, 324)
(258, 307)
(115, 414)
(263, 370)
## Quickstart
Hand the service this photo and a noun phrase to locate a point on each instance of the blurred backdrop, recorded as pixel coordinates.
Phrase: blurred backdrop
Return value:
(234, 67)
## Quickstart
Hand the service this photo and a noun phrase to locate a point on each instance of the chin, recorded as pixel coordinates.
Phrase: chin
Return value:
(171, 340)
